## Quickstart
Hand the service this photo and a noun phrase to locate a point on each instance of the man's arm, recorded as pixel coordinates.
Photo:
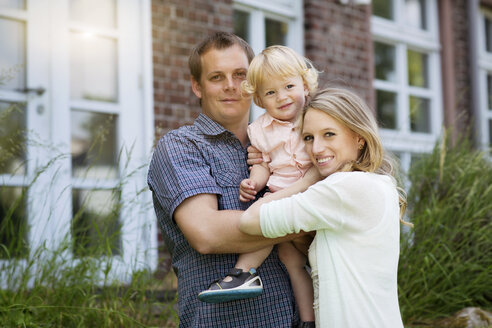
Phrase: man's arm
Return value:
(213, 231)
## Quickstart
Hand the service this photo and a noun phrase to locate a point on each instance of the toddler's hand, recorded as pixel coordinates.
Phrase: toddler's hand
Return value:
(247, 190)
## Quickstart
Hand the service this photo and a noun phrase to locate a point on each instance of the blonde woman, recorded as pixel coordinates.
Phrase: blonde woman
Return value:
(355, 210)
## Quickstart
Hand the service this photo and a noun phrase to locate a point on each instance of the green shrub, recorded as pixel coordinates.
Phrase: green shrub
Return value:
(446, 260)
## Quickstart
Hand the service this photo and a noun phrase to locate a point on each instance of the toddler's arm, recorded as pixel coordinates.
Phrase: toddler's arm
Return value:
(257, 180)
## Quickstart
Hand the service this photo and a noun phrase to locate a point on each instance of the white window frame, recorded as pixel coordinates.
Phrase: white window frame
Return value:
(394, 32)
(484, 69)
(288, 11)
(49, 215)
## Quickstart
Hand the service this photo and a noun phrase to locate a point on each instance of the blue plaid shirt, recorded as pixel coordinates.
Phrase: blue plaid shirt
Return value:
(206, 158)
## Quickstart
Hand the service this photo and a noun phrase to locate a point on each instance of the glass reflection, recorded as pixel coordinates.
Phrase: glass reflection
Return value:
(488, 34)
(383, 8)
(384, 61)
(489, 91)
(93, 68)
(417, 69)
(12, 138)
(275, 32)
(12, 55)
(13, 4)
(415, 14)
(490, 136)
(13, 222)
(94, 12)
(386, 109)
(93, 145)
(241, 24)
(96, 229)
(419, 114)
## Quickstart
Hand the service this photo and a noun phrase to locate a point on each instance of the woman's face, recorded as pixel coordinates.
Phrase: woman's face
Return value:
(329, 143)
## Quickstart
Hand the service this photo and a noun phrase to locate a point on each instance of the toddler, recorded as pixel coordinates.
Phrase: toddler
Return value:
(279, 80)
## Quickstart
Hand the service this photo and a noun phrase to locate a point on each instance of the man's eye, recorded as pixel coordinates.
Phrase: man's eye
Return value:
(290, 86)
(215, 77)
(269, 93)
(241, 75)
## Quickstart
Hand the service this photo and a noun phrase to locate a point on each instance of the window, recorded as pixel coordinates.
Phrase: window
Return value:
(267, 23)
(485, 78)
(73, 148)
(407, 70)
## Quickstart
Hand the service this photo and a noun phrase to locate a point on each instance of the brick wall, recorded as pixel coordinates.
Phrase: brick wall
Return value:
(338, 40)
(461, 63)
(177, 26)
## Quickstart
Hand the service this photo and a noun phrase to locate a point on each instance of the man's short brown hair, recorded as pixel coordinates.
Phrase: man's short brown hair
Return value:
(218, 40)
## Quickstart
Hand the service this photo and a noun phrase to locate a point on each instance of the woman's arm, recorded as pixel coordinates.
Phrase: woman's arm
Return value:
(250, 219)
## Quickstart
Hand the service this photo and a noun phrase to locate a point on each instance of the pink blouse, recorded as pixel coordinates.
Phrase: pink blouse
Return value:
(282, 147)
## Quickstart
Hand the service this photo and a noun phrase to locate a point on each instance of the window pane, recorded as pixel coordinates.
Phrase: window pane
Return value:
(415, 14)
(12, 54)
(94, 12)
(383, 8)
(419, 114)
(93, 68)
(241, 24)
(95, 224)
(417, 69)
(13, 4)
(488, 34)
(490, 136)
(93, 145)
(489, 90)
(384, 61)
(13, 222)
(386, 109)
(275, 32)
(12, 138)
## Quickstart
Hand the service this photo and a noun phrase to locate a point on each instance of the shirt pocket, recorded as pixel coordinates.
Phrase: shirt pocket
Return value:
(228, 178)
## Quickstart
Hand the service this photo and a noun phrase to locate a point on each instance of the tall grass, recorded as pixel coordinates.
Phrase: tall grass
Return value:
(446, 262)
(71, 286)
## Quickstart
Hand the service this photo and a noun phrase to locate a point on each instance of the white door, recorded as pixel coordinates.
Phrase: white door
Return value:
(76, 130)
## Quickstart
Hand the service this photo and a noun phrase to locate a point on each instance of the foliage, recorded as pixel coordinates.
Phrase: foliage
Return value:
(446, 261)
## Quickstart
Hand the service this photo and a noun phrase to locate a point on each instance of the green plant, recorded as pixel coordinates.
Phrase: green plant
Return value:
(446, 260)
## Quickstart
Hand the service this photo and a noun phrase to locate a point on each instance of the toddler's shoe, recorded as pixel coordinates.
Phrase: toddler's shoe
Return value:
(243, 285)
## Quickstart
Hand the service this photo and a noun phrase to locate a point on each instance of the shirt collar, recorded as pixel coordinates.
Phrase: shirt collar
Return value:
(270, 120)
(208, 126)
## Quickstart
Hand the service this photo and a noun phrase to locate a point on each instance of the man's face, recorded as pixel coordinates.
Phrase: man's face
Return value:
(219, 87)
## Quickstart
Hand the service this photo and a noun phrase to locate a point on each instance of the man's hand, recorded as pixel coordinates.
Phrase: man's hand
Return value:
(247, 190)
(254, 156)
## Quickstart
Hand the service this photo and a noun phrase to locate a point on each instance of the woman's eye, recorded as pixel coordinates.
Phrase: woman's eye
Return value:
(329, 134)
(290, 86)
(308, 138)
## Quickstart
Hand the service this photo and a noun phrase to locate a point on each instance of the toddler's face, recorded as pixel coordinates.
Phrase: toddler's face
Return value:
(283, 98)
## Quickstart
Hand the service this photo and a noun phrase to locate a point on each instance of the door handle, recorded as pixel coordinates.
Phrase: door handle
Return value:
(39, 91)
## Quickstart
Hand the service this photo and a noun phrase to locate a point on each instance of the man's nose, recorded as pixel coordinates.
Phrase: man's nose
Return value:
(230, 83)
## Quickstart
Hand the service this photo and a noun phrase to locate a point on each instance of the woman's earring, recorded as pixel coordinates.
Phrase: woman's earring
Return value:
(361, 146)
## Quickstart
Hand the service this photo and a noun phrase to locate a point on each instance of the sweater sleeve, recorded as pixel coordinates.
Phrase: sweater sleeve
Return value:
(316, 208)
(354, 201)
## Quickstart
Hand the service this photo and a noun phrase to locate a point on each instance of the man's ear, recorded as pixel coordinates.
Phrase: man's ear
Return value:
(196, 87)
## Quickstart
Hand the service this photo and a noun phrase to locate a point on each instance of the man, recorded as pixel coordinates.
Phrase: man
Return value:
(194, 177)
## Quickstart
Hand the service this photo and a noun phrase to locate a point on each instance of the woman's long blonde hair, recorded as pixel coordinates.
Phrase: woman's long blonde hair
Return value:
(350, 110)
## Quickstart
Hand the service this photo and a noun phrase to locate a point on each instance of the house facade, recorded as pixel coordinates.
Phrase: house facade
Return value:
(88, 86)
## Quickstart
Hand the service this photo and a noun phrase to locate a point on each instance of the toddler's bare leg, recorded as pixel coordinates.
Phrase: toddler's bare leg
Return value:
(250, 260)
(302, 284)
